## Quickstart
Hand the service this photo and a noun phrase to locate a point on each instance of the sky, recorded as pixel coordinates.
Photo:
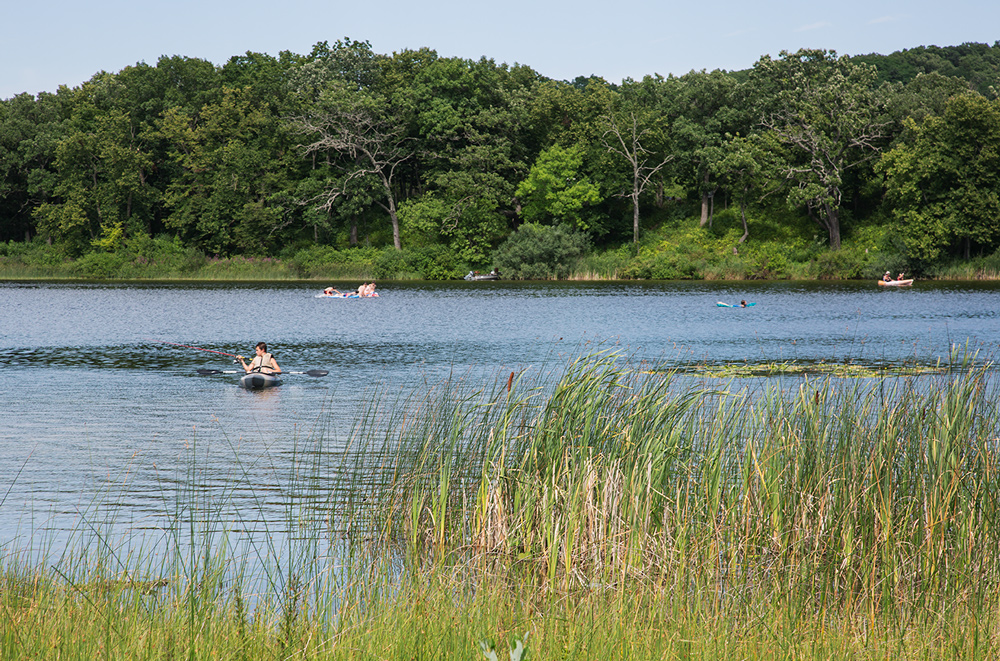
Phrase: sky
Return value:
(48, 43)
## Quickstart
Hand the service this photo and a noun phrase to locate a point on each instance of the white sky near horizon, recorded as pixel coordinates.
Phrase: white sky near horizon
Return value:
(48, 43)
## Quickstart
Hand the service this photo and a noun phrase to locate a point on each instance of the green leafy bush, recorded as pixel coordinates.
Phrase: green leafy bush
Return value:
(541, 252)
(666, 265)
(434, 262)
(388, 262)
(100, 265)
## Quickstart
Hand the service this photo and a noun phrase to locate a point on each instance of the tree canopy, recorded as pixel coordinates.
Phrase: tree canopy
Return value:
(345, 147)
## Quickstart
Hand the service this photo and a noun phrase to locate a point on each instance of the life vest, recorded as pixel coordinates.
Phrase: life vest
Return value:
(264, 364)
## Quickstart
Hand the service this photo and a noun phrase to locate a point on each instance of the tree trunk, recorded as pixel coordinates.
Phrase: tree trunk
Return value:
(833, 226)
(704, 201)
(354, 231)
(635, 210)
(390, 206)
(395, 224)
(743, 215)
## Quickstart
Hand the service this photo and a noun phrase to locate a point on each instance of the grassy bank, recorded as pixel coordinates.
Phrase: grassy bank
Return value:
(670, 249)
(614, 514)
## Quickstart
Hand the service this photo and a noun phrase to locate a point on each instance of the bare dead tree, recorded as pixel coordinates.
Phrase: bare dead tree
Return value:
(627, 142)
(372, 143)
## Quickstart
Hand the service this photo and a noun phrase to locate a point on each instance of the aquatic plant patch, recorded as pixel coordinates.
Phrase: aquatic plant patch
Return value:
(846, 370)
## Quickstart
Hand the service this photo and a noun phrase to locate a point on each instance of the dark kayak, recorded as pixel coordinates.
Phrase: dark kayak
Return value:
(258, 380)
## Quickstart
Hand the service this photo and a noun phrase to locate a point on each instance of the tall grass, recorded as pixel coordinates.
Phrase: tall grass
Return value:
(875, 495)
(610, 512)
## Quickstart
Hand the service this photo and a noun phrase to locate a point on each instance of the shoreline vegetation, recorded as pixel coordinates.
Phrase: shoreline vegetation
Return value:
(348, 163)
(598, 511)
(674, 250)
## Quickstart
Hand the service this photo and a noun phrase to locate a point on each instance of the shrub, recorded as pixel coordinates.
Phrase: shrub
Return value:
(314, 261)
(100, 265)
(541, 252)
(434, 262)
(159, 256)
(388, 263)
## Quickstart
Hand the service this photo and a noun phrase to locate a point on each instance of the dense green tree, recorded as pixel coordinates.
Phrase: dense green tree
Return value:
(188, 83)
(829, 116)
(112, 166)
(925, 95)
(471, 130)
(556, 191)
(103, 195)
(351, 64)
(944, 186)
(568, 114)
(231, 195)
(747, 166)
(701, 114)
(572, 116)
(30, 129)
(977, 65)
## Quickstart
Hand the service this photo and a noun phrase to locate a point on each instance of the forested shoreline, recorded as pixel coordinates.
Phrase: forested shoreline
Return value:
(346, 162)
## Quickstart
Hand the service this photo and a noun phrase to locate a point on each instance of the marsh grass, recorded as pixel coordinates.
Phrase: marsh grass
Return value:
(610, 512)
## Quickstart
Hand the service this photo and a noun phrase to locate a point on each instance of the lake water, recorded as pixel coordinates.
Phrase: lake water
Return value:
(103, 411)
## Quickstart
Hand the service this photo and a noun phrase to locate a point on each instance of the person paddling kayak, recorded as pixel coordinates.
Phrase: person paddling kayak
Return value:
(262, 362)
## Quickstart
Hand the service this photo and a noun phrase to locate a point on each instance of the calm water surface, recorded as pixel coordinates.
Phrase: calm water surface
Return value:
(102, 413)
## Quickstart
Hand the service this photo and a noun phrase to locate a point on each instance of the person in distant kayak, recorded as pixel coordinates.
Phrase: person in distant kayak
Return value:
(263, 362)
(887, 277)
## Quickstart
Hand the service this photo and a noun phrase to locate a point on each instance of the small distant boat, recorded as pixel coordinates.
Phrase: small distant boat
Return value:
(258, 380)
(727, 305)
(895, 283)
(475, 275)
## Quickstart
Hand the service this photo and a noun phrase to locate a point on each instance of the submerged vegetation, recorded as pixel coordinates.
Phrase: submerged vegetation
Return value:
(606, 513)
(845, 370)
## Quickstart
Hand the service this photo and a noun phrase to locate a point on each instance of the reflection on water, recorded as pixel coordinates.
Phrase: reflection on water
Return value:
(105, 419)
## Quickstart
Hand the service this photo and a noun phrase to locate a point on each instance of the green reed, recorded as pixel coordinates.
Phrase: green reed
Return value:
(609, 511)
(875, 499)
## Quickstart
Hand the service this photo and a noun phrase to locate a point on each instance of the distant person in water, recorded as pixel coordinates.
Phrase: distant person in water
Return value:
(743, 304)
(362, 290)
(263, 362)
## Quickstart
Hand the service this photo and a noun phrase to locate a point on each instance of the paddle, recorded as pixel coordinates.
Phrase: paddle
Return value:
(206, 372)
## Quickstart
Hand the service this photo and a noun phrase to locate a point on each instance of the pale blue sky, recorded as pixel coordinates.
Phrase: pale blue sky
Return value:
(46, 43)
